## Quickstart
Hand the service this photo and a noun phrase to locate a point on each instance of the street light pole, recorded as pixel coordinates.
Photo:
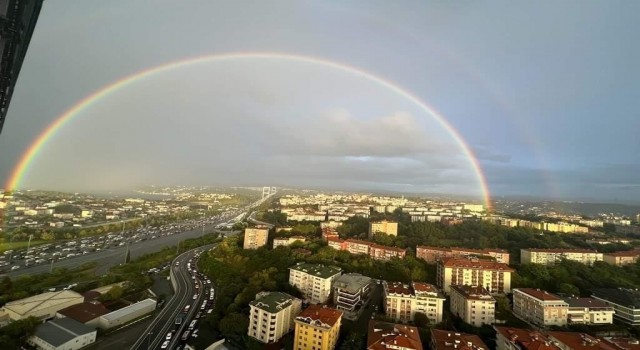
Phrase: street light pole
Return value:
(29, 244)
(149, 339)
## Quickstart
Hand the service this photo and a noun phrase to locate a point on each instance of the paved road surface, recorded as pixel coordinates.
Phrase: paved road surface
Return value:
(114, 256)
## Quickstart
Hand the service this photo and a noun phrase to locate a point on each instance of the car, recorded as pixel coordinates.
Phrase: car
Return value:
(15, 267)
(165, 345)
(169, 335)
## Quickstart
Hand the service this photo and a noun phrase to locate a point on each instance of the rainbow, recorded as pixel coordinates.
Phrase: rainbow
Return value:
(28, 157)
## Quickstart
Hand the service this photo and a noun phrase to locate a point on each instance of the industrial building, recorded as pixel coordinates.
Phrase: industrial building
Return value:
(126, 314)
(42, 306)
(62, 334)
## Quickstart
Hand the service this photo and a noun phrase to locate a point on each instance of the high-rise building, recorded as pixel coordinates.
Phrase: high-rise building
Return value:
(314, 280)
(19, 19)
(402, 301)
(473, 304)
(388, 227)
(272, 315)
(255, 237)
(317, 328)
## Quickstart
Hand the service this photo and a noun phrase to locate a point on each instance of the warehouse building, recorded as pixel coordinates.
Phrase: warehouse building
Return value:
(126, 314)
(42, 306)
(62, 334)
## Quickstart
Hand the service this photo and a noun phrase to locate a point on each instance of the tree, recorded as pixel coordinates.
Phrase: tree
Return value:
(421, 320)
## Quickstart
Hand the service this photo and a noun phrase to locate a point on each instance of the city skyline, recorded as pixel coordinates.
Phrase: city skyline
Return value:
(547, 112)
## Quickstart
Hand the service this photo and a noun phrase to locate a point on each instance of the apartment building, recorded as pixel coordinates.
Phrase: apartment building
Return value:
(508, 338)
(473, 304)
(433, 254)
(272, 315)
(255, 237)
(384, 335)
(622, 258)
(356, 246)
(384, 226)
(375, 251)
(402, 301)
(448, 340)
(314, 280)
(494, 276)
(287, 241)
(381, 252)
(552, 256)
(351, 292)
(539, 307)
(589, 311)
(317, 328)
(625, 303)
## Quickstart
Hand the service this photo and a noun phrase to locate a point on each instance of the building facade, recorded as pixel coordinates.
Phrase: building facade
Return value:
(287, 241)
(62, 334)
(433, 254)
(589, 311)
(388, 227)
(493, 276)
(622, 258)
(553, 256)
(317, 328)
(539, 307)
(255, 237)
(351, 292)
(473, 304)
(402, 301)
(42, 306)
(272, 315)
(314, 280)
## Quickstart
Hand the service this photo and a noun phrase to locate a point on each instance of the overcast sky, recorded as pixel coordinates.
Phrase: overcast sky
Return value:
(546, 94)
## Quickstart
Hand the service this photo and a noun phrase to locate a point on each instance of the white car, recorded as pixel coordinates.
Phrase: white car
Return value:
(165, 345)
(15, 267)
(169, 335)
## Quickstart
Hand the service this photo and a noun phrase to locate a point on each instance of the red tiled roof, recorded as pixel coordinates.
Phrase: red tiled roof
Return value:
(473, 292)
(579, 341)
(84, 312)
(320, 313)
(398, 288)
(526, 339)
(623, 343)
(384, 335)
(540, 294)
(444, 340)
(558, 250)
(630, 253)
(424, 287)
(475, 264)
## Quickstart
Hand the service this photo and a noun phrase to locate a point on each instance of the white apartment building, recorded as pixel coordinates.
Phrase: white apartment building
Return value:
(287, 241)
(388, 227)
(272, 315)
(255, 237)
(539, 307)
(473, 304)
(402, 301)
(314, 280)
(552, 256)
(494, 276)
(589, 311)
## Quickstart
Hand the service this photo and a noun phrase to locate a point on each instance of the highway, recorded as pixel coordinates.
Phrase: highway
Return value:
(115, 256)
(185, 287)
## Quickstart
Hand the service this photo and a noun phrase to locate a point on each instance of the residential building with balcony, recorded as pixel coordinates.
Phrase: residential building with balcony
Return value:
(384, 335)
(622, 258)
(388, 227)
(552, 256)
(402, 301)
(473, 304)
(314, 280)
(433, 254)
(351, 292)
(589, 311)
(493, 276)
(255, 237)
(317, 328)
(287, 241)
(625, 303)
(272, 315)
(539, 307)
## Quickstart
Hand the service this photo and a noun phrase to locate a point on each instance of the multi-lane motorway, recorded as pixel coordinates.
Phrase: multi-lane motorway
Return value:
(194, 296)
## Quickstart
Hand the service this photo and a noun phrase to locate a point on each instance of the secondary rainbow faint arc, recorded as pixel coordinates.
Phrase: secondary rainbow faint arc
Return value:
(31, 153)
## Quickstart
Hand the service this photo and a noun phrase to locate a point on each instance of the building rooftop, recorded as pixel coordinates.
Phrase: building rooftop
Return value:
(578, 341)
(84, 312)
(458, 341)
(384, 335)
(526, 339)
(352, 282)
(620, 296)
(317, 269)
(128, 309)
(59, 331)
(319, 316)
(626, 253)
(421, 287)
(398, 288)
(272, 302)
(623, 343)
(42, 301)
(560, 250)
(585, 302)
(475, 264)
(473, 292)
(539, 294)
